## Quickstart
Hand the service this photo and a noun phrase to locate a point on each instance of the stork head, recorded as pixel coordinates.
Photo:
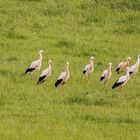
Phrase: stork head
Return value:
(42, 52)
(129, 59)
(67, 63)
(91, 58)
(50, 62)
(110, 64)
(127, 68)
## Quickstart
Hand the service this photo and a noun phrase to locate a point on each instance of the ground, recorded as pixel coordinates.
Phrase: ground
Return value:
(71, 30)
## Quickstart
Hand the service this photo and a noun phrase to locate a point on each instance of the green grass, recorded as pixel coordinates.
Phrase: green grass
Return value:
(71, 30)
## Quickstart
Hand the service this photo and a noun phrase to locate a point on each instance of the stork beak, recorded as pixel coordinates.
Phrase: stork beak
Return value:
(45, 54)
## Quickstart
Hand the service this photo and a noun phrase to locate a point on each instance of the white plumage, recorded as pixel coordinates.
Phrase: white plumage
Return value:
(89, 68)
(63, 77)
(106, 75)
(35, 65)
(45, 73)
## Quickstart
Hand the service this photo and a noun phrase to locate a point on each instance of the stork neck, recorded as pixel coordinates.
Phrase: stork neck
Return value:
(127, 75)
(128, 61)
(67, 69)
(138, 61)
(91, 62)
(40, 55)
(50, 65)
(109, 68)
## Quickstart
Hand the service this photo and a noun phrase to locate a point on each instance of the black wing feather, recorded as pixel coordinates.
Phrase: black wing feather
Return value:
(117, 84)
(29, 70)
(130, 72)
(41, 79)
(118, 69)
(84, 71)
(58, 82)
(102, 78)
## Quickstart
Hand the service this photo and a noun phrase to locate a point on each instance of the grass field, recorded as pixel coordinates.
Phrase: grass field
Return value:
(68, 30)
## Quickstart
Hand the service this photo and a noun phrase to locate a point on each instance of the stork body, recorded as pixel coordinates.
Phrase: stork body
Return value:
(123, 65)
(63, 77)
(122, 80)
(106, 75)
(35, 65)
(134, 68)
(45, 73)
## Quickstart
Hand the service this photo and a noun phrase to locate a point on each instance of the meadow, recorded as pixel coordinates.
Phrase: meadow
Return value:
(68, 30)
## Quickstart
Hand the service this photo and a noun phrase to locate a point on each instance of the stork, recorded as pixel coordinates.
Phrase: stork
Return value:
(122, 80)
(89, 68)
(35, 65)
(63, 77)
(45, 73)
(106, 75)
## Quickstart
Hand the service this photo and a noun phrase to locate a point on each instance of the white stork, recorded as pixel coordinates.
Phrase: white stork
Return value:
(35, 65)
(45, 73)
(122, 80)
(106, 75)
(89, 67)
(123, 65)
(134, 68)
(63, 77)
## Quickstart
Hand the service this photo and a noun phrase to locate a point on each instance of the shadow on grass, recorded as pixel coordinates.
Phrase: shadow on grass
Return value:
(58, 9)
(64, 44)
(126, 30)
(86, 5)
(85, 101)
(38, 27)
(15, 35)
(8, 73)
(2, 103)
(79, 100)
(31, 0)
(5, 72)
(118, 120)
(9, 59)
(12, 58)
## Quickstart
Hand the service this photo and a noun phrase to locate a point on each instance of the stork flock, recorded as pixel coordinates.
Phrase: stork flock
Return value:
(89, 68)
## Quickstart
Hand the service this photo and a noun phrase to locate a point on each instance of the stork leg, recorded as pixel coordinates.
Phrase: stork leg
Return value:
(106, 88)
(121, 89)
(88, 80)
(62, 89)
(33, 77)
